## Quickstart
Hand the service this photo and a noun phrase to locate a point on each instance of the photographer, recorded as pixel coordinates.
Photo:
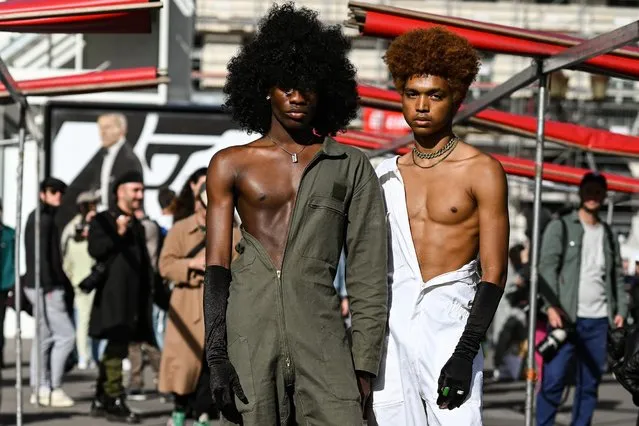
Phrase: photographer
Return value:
(581, 282)
(77, 264)
(122, 306)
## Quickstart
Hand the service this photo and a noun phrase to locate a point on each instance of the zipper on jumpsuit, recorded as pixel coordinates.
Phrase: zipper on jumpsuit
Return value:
(288, 373)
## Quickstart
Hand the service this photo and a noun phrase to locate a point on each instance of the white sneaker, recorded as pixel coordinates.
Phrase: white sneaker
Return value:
(82, 365)
(59, 399)
(43, 396)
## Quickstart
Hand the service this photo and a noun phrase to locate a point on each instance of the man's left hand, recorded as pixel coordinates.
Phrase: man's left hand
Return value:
(345, 307)
(619, 321)
(454, 382)
(364, 384)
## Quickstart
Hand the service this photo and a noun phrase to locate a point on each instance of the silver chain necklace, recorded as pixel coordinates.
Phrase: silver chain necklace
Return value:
(292, 154)
(430, 155)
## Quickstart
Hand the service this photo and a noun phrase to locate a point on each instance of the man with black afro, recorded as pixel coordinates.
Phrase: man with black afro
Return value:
(447, 205)
(275, 339)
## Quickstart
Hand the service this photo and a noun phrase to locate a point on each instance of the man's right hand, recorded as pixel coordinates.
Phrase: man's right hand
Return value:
(555, 317)
(123, 222)
(198, 263)
(225, 384)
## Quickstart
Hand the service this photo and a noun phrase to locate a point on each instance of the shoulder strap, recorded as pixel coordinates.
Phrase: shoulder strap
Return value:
(195, 250)
(613, 271)
(564, 242)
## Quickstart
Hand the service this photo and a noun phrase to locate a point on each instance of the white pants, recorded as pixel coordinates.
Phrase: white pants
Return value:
(425, 323)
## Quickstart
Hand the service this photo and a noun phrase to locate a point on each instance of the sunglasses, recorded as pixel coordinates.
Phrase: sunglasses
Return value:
(54, 191)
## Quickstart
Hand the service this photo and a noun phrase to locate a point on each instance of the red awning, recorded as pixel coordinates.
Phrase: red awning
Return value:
(584, 138)
(511, 165)
(77, 16)
(95, 81)
(390, 22)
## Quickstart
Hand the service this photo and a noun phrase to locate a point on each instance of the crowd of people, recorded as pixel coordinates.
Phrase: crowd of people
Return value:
(116, 286)
(347, 292)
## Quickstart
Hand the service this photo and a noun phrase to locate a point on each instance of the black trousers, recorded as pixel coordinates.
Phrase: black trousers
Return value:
(200, 401)
(4, 296)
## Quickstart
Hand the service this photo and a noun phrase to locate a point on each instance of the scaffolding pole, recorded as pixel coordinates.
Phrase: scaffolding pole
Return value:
(531, 374)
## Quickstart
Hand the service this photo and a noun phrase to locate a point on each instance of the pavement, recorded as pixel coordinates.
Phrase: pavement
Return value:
(504, 403)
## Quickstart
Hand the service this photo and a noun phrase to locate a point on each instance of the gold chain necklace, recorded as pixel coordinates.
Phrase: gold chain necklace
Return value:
(292, 154)
(447, 152)
(430, 155)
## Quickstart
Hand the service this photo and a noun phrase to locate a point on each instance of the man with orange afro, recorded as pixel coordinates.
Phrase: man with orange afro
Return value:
(447, 212)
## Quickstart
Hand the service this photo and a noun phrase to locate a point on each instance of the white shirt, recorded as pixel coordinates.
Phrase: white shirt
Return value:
(592, 302)
(105, 173)
(165, 221)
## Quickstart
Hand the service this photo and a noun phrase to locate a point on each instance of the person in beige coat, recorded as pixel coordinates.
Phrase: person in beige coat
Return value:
(182, 371)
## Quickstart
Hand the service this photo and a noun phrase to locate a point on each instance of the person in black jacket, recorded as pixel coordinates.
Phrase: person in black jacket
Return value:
(122, 308)
(57, 334)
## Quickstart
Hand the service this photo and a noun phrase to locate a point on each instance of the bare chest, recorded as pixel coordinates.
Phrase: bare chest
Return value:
(441, 196)
(273, 182)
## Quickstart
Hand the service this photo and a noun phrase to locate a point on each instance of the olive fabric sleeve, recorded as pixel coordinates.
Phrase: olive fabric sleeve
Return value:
(367, 272)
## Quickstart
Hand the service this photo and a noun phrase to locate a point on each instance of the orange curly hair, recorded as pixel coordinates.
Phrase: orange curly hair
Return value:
(435, 51)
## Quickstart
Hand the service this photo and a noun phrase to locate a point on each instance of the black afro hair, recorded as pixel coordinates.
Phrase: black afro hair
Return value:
(293, 50)
(435, 51)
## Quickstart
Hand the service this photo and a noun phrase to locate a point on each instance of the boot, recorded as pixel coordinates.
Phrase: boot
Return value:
(98, 405)
(118, 411)
(98, 408)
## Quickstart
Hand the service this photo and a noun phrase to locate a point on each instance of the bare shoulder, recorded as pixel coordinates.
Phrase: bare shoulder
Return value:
(228, 160)
(479, 164)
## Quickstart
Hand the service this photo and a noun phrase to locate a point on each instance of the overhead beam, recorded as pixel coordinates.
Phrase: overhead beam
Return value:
(16, 94)
(589, 49)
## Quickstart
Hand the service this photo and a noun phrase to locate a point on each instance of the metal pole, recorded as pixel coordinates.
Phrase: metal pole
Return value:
(79, 52)
(163, 47)
(38, 298)
(17, 287)
(532, 314)
(611, 208)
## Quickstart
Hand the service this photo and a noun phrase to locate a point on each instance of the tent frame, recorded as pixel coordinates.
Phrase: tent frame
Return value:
(26, 123)
(539, 71)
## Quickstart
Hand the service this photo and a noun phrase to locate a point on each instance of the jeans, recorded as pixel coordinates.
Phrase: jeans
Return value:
(589, 347)
(57, 337)
(159, 325)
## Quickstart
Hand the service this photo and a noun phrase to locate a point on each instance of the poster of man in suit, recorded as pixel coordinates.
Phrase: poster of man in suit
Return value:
(89, 145)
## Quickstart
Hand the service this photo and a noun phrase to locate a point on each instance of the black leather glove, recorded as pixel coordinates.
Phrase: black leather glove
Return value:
(224, 385)
(224, 381)
(456, 375)
(454, 382)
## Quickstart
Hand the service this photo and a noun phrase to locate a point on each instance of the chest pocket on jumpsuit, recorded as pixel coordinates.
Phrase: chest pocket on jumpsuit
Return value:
(324, 220)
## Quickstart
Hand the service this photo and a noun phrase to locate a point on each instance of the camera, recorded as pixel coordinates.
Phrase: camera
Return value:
(549, 347)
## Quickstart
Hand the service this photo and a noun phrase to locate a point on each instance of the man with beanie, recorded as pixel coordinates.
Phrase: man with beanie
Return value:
(121, 311)
(582, 283)
(57, 335)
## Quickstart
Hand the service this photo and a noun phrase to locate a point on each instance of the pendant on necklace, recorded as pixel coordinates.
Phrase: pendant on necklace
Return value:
(294, 157)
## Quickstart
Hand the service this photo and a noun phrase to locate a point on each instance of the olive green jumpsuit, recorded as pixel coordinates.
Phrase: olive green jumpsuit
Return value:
(286, 337)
